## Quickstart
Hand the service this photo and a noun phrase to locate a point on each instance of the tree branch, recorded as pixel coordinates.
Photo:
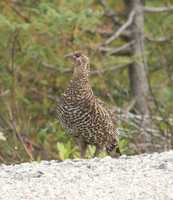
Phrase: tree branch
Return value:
(121, 29)
(122, 49)
(158, 9)
(159, 40)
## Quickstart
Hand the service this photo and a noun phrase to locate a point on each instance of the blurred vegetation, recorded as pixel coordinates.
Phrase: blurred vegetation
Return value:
(35, 35)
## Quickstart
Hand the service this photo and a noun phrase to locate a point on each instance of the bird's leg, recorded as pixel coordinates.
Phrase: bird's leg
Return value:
(82, 147)
(97, 151)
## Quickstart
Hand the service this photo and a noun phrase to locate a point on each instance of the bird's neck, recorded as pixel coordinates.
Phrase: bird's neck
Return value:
(80, 81)
(81, 76)
(79, 88)
(81, 71)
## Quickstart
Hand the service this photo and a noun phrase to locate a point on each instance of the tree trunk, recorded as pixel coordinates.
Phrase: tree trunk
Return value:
(138, 69)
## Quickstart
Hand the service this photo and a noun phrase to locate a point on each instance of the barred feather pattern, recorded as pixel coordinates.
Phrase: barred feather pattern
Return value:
(82, 114)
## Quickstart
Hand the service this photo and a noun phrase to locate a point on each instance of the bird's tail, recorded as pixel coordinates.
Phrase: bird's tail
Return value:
(113, 149)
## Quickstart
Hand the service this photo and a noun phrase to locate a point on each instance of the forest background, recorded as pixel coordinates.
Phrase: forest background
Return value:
(130, 45)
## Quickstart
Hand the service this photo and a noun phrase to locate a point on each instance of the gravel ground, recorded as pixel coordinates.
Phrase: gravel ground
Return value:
(144, 177)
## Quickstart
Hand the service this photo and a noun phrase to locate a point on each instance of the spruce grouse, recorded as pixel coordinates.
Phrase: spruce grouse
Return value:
(82, 114)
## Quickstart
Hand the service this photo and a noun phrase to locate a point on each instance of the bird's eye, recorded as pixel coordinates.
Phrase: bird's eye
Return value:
(77, 55)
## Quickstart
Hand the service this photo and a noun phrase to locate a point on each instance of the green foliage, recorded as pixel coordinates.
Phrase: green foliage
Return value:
(66, 150)
(35, 36)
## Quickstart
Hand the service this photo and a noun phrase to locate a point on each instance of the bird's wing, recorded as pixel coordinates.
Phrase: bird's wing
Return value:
(109, 109)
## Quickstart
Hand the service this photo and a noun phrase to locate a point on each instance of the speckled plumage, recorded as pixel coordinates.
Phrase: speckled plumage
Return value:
(82, 114)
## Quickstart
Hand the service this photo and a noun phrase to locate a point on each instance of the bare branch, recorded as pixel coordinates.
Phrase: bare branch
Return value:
(13, 126)
(159, 40)
(121, 29)
(122, 49)
(129, 115)
(158, 9)
(135, 121)
(126, 34)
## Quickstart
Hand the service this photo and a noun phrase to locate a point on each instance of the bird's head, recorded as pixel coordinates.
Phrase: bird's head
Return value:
(81, 62)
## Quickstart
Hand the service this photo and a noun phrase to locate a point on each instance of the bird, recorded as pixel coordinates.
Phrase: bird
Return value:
(83, 115)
